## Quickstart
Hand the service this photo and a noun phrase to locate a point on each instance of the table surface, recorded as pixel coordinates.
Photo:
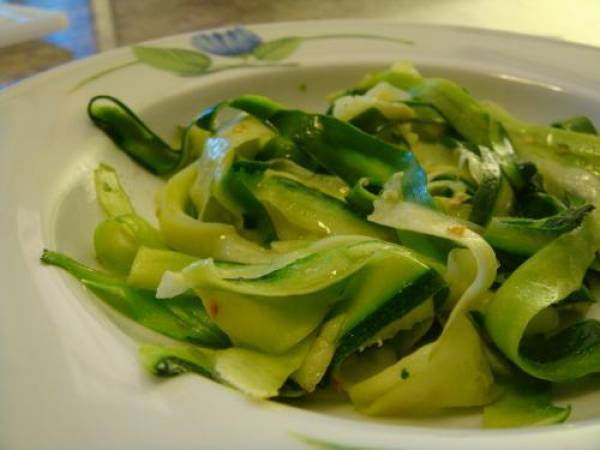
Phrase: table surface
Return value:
(99, 25)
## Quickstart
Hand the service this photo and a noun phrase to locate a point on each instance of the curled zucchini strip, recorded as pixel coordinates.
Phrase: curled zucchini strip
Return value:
(291, 297)
(256, 374)
(340, 147)
(360, 198)
(546, 278)
(243, 137)
(523, 236)
(194, 237)
(343, 149)
(150, 265)
(580, 124)
(489, 188)
(569, 161)
(118, 237)
(383, 97)
(183, 318)
(174, 283)
(327, 184)
(453, 370)
(408, 216)
(295, 210)
(112, 198)
(138, 141)
(523, 402)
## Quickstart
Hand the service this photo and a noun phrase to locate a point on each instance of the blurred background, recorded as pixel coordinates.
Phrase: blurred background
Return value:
(87, 27)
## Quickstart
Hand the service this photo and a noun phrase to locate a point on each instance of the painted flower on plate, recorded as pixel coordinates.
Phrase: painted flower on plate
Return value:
(230, 42)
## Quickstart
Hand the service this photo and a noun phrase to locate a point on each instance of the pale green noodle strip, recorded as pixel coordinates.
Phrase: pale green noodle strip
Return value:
(299, 212)
(328, 184)
(204, 239)
(408, 216)
(325, 345)
(383, 97)
(547, 277)
(320, 354)
(245, 136)
(453, 371)
(175, 283)
(523, 402)
(118, 237)
(111, 196)
(434, 377)
(194, 237)
(256, 374)
(568, 161)
(461, 270)
(150, 264)
(289, 301)
(334, 263)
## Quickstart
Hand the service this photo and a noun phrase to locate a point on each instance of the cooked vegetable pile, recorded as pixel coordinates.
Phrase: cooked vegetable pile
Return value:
(412, 247)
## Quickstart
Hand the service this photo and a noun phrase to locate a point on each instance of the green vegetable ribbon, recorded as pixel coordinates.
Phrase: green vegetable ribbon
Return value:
(546, 278)
(137, 140)
(340, 147)
(182, 318)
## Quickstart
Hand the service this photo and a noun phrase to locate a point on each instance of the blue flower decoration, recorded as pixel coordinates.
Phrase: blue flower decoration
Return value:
(232, 42)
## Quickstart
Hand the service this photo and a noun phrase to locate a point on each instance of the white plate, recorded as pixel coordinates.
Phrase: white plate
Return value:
(69, 375)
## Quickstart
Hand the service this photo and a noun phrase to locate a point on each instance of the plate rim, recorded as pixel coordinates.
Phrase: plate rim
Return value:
(38, 78)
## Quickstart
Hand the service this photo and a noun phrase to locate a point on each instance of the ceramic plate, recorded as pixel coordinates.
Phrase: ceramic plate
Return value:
(69, 373)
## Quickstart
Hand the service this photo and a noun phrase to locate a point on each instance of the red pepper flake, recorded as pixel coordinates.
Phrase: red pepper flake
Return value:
(457, 230)
(213, 309)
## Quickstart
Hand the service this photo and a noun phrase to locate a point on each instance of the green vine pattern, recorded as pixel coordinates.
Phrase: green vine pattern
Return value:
(235, 48)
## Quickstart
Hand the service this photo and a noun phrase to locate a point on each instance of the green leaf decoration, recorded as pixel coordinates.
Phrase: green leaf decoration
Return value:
(277, 49)
(177, 60)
